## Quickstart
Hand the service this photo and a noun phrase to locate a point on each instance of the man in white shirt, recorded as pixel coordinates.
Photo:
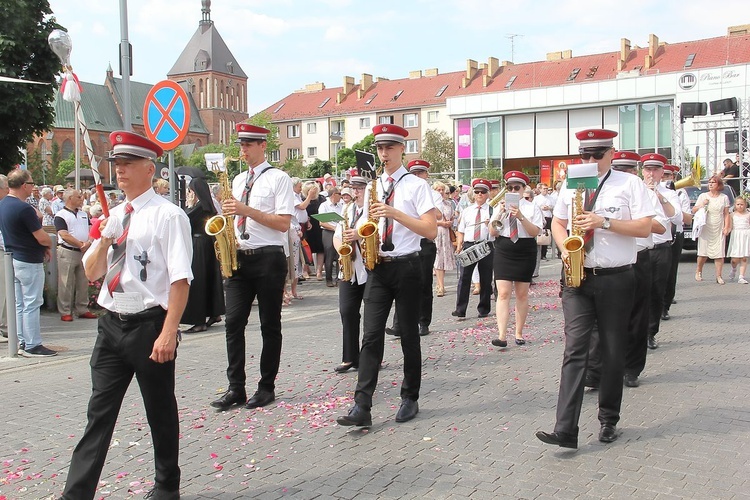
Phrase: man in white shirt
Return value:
(679, 239)
(332, 205)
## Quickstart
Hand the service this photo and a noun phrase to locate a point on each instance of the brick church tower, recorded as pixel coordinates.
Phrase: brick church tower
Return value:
(214, 78)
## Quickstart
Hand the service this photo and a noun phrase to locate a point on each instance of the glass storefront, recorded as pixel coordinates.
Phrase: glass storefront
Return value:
(479, 146)
(646, 128)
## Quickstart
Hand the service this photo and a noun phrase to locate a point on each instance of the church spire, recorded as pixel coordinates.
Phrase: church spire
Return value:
(206, 10)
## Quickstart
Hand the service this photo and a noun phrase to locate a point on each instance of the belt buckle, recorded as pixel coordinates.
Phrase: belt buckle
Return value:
(593, 271)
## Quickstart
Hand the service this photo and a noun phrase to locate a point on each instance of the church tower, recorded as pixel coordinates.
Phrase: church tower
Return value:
(214, 79)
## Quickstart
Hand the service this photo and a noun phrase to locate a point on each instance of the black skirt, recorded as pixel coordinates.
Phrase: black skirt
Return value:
(514, 261)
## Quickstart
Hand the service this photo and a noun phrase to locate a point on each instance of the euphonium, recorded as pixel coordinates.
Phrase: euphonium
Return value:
(345, 250)
(222, 227)
(573, 244)
(369, 230)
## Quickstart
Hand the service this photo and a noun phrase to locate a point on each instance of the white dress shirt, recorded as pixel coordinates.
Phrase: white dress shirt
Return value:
(529, 210)
(467, 224)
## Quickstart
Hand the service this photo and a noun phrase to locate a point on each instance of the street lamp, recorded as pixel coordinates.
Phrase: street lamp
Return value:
(338, 137)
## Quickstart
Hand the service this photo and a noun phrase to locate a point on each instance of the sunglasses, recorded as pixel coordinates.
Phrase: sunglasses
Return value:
(597, 156)
(476, 191)
(515, 187)
(527, 197)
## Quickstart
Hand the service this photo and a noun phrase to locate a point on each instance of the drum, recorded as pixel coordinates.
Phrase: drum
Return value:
(474, 254)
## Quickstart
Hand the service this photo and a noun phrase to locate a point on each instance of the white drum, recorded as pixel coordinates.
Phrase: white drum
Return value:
(474, 254)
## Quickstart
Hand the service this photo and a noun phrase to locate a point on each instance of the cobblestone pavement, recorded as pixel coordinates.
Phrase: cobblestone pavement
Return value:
(684, 431)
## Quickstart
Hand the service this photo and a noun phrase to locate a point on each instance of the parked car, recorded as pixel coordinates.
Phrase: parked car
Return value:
(693, 192)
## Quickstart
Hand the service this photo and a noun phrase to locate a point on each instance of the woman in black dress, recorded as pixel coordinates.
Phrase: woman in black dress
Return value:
(206, 298)
(314, 234)
(514, 261)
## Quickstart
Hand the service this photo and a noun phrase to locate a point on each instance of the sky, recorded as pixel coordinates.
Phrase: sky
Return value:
(282, 45)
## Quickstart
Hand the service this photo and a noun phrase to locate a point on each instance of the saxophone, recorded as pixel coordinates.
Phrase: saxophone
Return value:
(369, 230)
(222, 227)
(574, 273)
(345, 250)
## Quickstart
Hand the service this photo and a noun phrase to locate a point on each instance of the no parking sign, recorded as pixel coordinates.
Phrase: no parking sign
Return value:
(166, 114)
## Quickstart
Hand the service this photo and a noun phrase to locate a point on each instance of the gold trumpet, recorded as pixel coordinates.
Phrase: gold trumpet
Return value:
(498, 197)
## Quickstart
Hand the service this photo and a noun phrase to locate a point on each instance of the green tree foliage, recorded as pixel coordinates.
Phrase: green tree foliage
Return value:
(24, 53)
(319, 168)
(63, 169)
(295, 168)
(438, 149)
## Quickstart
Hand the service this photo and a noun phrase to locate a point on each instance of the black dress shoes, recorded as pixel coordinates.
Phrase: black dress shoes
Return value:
(408, 410)
(458, 315)
(558, 438)
(424, 330)
(481, 315)
(652, 343)
(665, 315)
(499, 343)
(159, 494)
(357, 416)
(212, 321)
(229, 399)
(630, 380)
(591, 382)
(608, 433)
(260, 398)
(520, 342)
(344, 367)
(392, 331)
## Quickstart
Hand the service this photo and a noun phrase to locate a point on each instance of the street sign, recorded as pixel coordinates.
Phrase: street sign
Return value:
(166, 114)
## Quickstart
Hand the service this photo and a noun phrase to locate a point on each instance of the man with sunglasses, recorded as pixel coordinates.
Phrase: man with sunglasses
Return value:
(614, 215)
(473, 229)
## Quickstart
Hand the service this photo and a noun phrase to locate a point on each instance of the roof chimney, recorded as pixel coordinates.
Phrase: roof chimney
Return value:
(348, 86)
(431, 72)
(364, 85)
(624, 53)
(471, 71)
(653, 45)
(414, 75)
(742, 29)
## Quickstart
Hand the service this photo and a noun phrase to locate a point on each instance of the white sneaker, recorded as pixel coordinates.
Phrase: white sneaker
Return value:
(742, 280)
(731, 274)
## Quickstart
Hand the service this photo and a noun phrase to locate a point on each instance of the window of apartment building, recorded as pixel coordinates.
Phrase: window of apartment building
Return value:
(273, 156)
(412, 146)
(479, 146)
(338, 128)
(385, 120)
(312, 128)
(411, 120)
(364, 122)
(312, 152)
(292, 153)
(433, 116)
(292, 130)
(646, 128)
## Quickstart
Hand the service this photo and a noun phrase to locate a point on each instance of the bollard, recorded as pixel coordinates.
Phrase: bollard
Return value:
(10, 300)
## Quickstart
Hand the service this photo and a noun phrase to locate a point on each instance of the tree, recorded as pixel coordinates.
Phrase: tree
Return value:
(438, 149)
(294, 167)
(319, 168)
(24, 53)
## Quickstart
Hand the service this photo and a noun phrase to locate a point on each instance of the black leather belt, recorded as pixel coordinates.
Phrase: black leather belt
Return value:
(70, 248)
(400, 258)
(666, 244)
(262, 250)
(152, 312)
(604, 271)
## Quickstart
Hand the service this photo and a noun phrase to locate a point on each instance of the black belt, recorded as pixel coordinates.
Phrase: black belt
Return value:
(70, 248)
(603, 271)
(261, 250)
(666, 244)
(151, 312)
(400, 258)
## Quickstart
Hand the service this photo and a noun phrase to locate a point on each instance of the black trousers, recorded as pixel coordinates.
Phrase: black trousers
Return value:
(330, 255)
(637, 345)
(485, 284)
(661, 264)
(388, 282)
(122, 349)
(260, 276)
(427, 255)
(669, 293)
(350, 303)
(547, 225)
(607, 301)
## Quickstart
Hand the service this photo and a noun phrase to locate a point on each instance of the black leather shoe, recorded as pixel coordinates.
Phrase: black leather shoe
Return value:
(652, 343)
(357, 416)
(424, 330)
(344, 367)
(392, 331)
(159, 494)
(591, 382)
(665, 315)
(630, 380)
(408, 410)
(558, 438)
(480, 315)
(229, 399)
(259, 399)
(499, 343)
(608, 433)
(458, 315)
(212, 321)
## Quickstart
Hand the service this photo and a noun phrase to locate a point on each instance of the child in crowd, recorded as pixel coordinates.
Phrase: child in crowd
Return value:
(739, 242)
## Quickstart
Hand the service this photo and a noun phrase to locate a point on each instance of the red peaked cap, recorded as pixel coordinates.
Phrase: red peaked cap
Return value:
(130, 145)
(418, 165)
(389, 133)
(516, 176)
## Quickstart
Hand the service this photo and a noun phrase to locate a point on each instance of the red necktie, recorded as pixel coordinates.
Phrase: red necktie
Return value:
(513, 226)
(478, 225)
(242, 221)
(388, 236)
(118, 255)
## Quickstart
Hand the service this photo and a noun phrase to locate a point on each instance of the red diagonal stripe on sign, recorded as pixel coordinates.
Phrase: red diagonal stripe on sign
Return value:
(165, 114)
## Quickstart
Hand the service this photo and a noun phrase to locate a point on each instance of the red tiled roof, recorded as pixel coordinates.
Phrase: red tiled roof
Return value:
(421, 92)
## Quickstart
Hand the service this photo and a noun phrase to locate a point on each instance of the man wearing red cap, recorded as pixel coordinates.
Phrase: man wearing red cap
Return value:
(473, 229)
(668, 179)
(613, 216)
(406, 213)
(262, 206)
(145, 255)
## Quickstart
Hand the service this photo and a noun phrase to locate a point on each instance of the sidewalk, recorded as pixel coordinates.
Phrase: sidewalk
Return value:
(684, 431)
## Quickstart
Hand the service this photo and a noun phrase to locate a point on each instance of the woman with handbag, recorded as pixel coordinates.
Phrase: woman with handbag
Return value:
(515, 229)
(444, 259)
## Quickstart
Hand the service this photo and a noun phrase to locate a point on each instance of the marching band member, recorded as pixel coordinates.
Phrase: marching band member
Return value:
(679, 239)
(616, 214)
(514, 256)
(406, 214)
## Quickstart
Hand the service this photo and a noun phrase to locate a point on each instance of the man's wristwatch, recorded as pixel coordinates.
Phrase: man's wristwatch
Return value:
(606, 224)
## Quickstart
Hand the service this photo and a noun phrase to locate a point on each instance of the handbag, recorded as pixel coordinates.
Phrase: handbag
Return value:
(306, 252)
(544, 238)
(452, 234)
